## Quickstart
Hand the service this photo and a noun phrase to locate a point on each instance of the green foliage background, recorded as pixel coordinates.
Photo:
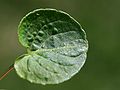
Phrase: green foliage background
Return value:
(101, 21)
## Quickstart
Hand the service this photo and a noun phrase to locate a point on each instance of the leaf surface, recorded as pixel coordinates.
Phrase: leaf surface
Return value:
(57, 47)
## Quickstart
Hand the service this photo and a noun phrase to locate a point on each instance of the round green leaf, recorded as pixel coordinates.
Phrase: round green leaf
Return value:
(57, 47)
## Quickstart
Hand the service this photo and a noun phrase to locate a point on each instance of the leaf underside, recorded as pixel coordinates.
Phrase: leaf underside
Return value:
(57, 47)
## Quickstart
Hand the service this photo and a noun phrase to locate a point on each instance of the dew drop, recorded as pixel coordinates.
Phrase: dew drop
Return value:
(41, 33)
(37, 14)
(34, 34)
(45, 27)
(55, 31)
(50, 25)
(42, 23)
(30, 39)
(37, 38)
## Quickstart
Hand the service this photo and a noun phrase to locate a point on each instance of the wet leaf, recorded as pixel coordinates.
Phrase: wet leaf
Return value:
(57, 47)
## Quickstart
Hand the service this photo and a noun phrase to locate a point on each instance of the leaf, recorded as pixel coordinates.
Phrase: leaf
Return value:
(57, 47)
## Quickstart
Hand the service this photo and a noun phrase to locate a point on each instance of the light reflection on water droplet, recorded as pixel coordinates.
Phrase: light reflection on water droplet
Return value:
(37, 14)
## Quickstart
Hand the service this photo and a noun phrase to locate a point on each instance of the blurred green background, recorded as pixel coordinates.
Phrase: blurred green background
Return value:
(101, 21)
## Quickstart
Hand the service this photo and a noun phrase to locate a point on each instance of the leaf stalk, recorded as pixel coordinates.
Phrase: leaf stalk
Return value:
(7, 72)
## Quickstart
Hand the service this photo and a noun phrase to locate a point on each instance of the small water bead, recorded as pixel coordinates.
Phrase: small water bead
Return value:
(26, 30)
(32, 47)
(50, 25)
(64, 44)
(24, 25)
(37, 14)
(41, 33)
(54, 31)
(29, 36)
(42, 46)
(45, 27)
(34, 34)
(42, 23)
(38, 38)
(30, 39)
